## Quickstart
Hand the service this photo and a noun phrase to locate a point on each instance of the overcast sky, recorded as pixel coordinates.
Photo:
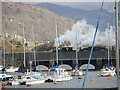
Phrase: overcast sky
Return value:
(85, 5)
(82, 4)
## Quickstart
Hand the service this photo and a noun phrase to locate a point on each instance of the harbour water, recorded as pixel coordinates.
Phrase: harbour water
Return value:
(98, 82)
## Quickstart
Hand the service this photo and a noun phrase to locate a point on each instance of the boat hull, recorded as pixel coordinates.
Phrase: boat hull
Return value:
(62, 79)
(108, 73)
(13, 83)
(35, 82)
(77, 73)
(11, 70)
(58, 79)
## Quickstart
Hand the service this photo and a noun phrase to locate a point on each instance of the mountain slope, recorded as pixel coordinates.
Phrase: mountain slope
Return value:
(43, 21)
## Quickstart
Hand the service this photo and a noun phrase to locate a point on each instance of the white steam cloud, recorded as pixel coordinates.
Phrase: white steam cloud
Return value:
(82, 34)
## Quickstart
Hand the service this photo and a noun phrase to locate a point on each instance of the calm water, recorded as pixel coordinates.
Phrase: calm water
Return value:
(100, 82)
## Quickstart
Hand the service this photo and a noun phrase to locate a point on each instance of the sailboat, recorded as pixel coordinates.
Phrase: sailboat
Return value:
(57, 74)
(38, 77)
(4, 76)
(23, 68)
(108, 70)
(12, 68)
(28, 78)
(76, 71)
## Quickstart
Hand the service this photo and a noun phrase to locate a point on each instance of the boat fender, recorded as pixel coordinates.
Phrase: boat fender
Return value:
(109, 75)
(55, 82)
(69, 74)
(3, 87)
(79, 77)
(29, 84)
(92, 80)
(99, 75)
(68, 81)
(109, 78)
(84, 73)
(3, 84)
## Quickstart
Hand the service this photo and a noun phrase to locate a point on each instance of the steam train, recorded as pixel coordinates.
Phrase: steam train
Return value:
(66, 49)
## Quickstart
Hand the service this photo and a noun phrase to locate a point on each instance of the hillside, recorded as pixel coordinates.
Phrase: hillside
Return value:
(78, 14)
(43, 21)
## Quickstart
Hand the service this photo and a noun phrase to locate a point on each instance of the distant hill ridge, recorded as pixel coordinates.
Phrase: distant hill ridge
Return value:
(78, 14)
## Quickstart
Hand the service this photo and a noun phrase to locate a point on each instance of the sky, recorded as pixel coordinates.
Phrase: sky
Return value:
(62, 0)
(80, 4)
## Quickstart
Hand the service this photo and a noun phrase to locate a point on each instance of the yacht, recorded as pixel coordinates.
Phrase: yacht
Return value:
(58, 75)
(108, 71)
(5, 77)
(27, 78)
(76, 71)
(11, 69)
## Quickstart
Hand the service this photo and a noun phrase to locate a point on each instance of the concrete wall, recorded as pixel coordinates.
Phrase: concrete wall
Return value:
(99, 58)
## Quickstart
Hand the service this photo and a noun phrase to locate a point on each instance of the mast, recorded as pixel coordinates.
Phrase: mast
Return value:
(56, 28)
(34, 44)
(3, 49)
(1, 57)
(76, 52)
(117, 43)
(12, 52)
(108, 47)
(24, 43)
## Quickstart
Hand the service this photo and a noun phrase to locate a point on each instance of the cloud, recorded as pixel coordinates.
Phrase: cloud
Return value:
(82, 34)
(58, 0)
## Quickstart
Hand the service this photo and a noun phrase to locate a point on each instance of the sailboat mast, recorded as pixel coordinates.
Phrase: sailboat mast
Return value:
(12, 51)
(24, 43)
(117, 43)
(3, 49)
(56, 28)
(76, 52)
(108, 47)
(34, 44)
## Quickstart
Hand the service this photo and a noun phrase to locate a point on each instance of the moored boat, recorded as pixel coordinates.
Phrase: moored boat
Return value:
(77, 72)
(11, 69)
(36, 81)
(58, 75)
(108, 72)
(5, 77)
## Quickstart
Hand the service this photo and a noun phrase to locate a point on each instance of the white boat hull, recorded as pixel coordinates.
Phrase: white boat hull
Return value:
(59, 79)
(58, 75)
(5, 76)
(23, 80)
(35, 82)
(11, 69)
(108, 73)
(13, 83)
(77, 73)
(62, 79)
